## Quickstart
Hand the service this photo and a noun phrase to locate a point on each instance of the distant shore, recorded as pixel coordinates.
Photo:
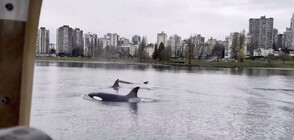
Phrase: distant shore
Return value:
(177, 62)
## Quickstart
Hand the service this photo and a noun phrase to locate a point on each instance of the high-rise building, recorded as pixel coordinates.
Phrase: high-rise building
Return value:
(289, 36)
(90, 44)
(289, 39)
(184, 45)
(43, 41)
(175, 43)
(199, 46)
(210, 45)
(279, 42)
(162, 38)
(104, 42)
(136, 39)
(149, 49)
(261, 31)
(64, 40)
(113, 38)
(78, 43)
(292, 22)
(275, 34)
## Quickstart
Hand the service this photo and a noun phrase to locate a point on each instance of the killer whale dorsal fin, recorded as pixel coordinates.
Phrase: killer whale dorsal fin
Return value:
(115, 85)
(133, 93)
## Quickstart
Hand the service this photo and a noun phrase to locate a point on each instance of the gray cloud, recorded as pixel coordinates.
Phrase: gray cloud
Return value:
(211, 18)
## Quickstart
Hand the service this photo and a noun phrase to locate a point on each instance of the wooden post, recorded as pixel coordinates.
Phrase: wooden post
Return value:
(18, 31)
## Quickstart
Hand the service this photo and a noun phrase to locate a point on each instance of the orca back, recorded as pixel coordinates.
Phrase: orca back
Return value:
(116, 98)
(111, 97)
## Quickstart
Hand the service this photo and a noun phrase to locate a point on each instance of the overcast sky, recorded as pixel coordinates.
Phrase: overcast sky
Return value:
(210, 18)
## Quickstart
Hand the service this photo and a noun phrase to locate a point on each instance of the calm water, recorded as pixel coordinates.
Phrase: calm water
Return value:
(191, 103)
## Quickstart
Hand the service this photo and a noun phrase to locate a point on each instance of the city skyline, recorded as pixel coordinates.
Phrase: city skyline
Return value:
(261, 31)
(127, 18)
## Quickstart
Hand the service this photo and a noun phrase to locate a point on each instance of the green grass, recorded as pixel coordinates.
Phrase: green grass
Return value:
(246, 63)
(182, 62)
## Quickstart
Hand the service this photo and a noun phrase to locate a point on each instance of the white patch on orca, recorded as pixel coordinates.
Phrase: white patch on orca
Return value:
(97, 98)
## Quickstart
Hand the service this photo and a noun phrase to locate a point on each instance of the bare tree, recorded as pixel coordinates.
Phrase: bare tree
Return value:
(241, 40)
(285, 57)
(238, 44)
(190, 49)
(100, 49)
(155, 53)
(270, 58)
(199, 46)
(199, 51)
(106, 53)
(234, 47)
(242, 55)
(161, 51)
(141, 51)
(218, 50)
(124, 52)
(167, 53)
(251, 47)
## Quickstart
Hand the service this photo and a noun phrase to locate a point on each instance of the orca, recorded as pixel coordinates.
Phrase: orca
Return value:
(115, 85)
(131, 97)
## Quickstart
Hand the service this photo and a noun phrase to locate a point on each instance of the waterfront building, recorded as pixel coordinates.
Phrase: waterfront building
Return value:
(292, 22)
(199, 49)
(289, 35)
(162, 38)
(90, 44)
(210, 45)
(279, 42)
(174, 43)
(275, 34)
(43, 38)
(64, 40)
(289, 39)
(104, 42)
(261, 30)
(130, 48)
(78, 42)
(149, 49)
(184, 45)
(113, 39)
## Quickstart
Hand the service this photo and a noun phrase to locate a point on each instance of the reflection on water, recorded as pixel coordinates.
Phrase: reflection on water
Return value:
(177, 103)
(134, 108)
(193, 69)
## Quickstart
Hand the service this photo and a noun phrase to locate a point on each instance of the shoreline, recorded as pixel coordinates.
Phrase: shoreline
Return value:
(221, 64)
